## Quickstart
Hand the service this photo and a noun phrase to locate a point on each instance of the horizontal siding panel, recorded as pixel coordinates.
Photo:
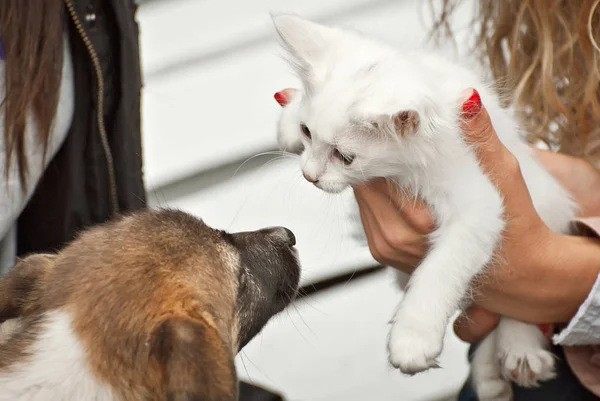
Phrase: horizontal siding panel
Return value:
(179, 31)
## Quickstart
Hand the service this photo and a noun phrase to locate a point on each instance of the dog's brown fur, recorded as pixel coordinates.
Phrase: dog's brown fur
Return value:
(154, 299)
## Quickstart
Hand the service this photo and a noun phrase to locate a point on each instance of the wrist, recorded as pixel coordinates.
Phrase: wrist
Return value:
(574, 265)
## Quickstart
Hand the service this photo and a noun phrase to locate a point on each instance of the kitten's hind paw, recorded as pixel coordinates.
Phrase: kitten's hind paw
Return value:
(527, 367)
(414, 350)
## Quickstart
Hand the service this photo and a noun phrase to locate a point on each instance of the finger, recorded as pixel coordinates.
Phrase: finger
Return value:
(414, 212)
(417, 215)
(495, 159)
(475, 324)
(478, 130)
(284, 96)
(376, 199)
(379, 247)
(366, 220)
(390, 190)
(384, 214)
(374, 236)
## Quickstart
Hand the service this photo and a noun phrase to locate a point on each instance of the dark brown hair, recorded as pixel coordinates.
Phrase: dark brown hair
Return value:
(545, 56)
(31, 31)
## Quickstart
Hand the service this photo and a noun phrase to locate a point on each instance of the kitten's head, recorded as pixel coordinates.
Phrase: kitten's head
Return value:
(348, 122)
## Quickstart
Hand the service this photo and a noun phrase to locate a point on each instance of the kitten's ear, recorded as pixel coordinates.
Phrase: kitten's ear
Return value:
(306, 42)
(406, 122)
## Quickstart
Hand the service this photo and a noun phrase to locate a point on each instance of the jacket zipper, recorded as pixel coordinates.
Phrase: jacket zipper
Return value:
(100, 115)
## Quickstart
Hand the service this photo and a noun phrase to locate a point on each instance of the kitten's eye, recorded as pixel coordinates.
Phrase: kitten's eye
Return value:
(305, 131)
(344, 158)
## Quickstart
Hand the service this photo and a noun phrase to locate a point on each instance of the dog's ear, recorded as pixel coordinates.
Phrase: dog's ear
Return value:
(196, 363)
(17, 286)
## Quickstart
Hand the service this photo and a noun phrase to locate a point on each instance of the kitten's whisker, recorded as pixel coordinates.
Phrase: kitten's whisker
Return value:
(362, 171)
(273, 160)
(250, 192)
(270, 152)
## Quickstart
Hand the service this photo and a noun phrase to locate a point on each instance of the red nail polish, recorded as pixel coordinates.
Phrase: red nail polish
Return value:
(281, 98)
(544, 327)
(472, 106)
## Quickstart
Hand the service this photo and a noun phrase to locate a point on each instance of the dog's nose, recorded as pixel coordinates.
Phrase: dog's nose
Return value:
(283, 234)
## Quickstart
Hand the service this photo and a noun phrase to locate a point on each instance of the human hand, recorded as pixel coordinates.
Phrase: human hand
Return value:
(397, 227)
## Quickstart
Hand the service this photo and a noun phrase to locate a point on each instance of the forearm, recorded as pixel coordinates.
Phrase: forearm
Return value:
(549, 283)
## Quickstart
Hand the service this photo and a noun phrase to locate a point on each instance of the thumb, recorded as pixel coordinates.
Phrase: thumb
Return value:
(478, 130)
(495, 159)
(475, 324)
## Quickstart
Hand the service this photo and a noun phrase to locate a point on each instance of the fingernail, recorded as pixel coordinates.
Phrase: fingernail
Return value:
(281, 98)
(544, 327)
(472, 106)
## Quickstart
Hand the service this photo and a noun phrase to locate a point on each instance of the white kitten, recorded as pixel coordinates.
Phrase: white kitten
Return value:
(368, 110)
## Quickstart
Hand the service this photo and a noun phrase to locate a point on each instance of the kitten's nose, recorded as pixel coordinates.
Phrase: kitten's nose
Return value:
(309, 178)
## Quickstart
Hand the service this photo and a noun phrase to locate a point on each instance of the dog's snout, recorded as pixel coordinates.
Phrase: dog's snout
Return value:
(283, 234)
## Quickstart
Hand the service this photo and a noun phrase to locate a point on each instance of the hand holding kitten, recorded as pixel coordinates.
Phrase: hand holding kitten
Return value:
(544, 279)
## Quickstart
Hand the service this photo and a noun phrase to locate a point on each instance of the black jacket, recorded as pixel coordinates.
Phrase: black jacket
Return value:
(98, 170)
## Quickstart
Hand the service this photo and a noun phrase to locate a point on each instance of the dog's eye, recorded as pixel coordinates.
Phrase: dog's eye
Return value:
(305, 131)
(347, 159)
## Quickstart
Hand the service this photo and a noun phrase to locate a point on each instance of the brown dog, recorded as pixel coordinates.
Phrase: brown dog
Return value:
(154, 306)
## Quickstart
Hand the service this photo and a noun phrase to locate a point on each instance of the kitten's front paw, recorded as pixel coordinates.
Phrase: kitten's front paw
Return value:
(527, 367)
(413, 348)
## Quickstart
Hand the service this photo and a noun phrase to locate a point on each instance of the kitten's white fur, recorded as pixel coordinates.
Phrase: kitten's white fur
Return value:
(56, 368)
(351, 82)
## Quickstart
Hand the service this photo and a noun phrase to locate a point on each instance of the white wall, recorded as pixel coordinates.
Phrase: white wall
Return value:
(211, 68)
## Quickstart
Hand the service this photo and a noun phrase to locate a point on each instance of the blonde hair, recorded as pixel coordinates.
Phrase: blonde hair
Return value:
(545, 56)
